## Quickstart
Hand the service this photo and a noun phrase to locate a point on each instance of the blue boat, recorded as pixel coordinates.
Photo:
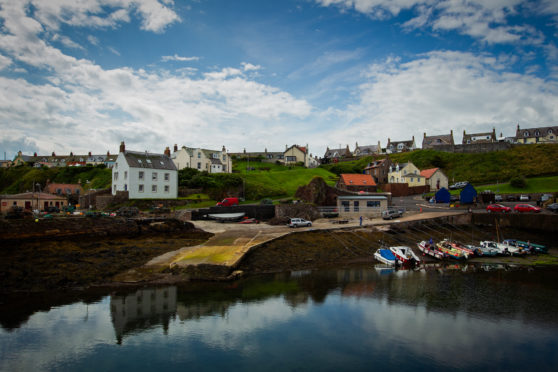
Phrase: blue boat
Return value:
(385, 256)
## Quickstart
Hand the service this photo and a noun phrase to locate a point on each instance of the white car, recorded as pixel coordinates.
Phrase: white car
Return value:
(524, 198)
(298, 222)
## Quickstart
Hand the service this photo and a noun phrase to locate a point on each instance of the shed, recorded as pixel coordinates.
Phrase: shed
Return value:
(362, 205)
(442, 195)
(468, 194)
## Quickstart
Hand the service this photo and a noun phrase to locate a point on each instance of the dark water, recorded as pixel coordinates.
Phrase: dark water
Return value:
(438, 318)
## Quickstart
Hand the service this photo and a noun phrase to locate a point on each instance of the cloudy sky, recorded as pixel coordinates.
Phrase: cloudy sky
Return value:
(83, 75)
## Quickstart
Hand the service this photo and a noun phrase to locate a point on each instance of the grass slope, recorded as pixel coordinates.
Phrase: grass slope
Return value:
(528, 161)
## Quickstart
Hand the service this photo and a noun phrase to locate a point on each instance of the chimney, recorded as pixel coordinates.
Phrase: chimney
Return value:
(175, 147)
(451, 132)
(224, 149)
(89, 153)
(463, 132)
(167, 152)
(53, 154)
(71, 153)
(35, 154)
(108, 153)
(122, 147)
(424, 135)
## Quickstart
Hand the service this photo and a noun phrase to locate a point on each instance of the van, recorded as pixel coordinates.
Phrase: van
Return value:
(391, 213)
(228, 202)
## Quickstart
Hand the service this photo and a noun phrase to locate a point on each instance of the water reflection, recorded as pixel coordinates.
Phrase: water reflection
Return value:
(435, 317)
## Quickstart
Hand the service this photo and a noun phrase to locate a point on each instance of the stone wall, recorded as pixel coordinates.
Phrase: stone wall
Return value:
(474, 147)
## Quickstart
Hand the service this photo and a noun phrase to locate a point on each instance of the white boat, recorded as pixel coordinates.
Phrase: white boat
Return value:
(385, 256)
(504, 248)
(226, 216)
(405, 255)
(431, 250)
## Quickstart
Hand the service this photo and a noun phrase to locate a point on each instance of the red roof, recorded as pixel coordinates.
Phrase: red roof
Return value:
(358, 179)
(427, 173)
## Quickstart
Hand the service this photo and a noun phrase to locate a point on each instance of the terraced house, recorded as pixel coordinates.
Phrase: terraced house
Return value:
(211, 161)
(536, 135)
(145, 175)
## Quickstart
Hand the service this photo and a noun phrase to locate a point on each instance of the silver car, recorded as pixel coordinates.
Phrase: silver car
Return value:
(299, 222)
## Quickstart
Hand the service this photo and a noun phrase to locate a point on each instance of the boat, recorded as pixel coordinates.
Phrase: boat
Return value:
(405, 255)
(222, 217)
(532, 247)
(506, 248)
(431, 250)
(385, 256)
(485, 251)
(446, 247)
(470, 252)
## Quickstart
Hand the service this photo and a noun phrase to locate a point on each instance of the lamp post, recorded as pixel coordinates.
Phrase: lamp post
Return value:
(38, 197)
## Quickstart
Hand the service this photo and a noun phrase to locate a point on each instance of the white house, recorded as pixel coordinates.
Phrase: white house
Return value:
(145, 175)
(212, 161)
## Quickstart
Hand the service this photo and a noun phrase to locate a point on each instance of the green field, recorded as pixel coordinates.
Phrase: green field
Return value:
(534, 185)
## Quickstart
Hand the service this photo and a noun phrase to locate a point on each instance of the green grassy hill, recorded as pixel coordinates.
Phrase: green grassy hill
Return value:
(527, 161)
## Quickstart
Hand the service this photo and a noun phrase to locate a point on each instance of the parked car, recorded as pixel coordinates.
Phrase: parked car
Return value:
(526, 208)
(458, 185)
(524, 197)
(228, 202)
(498, 198)
(391, 214)
(52, 209)
(498, 208)
(553, 207)
(545, 197)
(299, 222)
(454, 198)
(511, 197)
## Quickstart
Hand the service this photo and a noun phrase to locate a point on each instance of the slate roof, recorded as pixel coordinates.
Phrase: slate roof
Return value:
(371, 149)
(376, 164)
(480, 137)
(357, 179)
(443, 139)
(330, 153)
(536, 132)
(137, 159)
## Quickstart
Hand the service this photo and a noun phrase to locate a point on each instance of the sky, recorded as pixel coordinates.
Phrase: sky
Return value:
(84, 75)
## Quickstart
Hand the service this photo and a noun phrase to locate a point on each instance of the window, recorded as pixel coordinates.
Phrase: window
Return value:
(550, 131)
(153, 188)
(154, 176)
(537, 133)
(525, 134)
(140, 175)
(373, 204)
(225, 157)
(199, 165)
(148, 161)
(114, 187)
(167, 176)
(167, 188)
(140, 188)
(125, 187)
(356, 205)
(139, 161)
(125, 174)
(115, 165)
(59, 191)
(291, 158)
(412, 179)
(116, 176)
(346, 206)
(199, 155)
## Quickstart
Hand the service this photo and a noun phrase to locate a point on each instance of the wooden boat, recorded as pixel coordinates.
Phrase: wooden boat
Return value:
(470, 252)
(431, 250)
(405, 255)
(448, 249)
(385, 256)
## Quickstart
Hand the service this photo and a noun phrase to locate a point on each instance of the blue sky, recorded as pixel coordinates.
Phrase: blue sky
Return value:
(83, 76)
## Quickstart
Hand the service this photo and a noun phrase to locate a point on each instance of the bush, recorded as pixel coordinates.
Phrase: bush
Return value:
(518, 182)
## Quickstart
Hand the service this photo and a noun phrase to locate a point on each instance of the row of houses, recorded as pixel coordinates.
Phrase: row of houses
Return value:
(292, 155)
(522, 136)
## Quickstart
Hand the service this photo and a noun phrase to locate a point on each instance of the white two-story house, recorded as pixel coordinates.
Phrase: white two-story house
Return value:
(212, 161)
(145, 175)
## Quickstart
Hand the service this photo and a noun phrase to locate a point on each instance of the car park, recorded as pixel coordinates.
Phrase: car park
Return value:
(499, 208)
(299, 222)
(524, 197)
(526, 208)
(511, 197)
(498, 198)
(390, 214)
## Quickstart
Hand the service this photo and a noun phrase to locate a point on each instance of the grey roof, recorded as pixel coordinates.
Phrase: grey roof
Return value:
(469, 136)
(363, 197)
(407, 143)
(331, 152)
(536, 132)
(147, 160)
(367, 149)
(443, 139)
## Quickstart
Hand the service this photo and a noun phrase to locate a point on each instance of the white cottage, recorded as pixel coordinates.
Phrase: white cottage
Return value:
(145, 175)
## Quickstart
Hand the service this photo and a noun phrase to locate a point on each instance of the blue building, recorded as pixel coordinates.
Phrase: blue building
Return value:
(468, 194)
(442, 196)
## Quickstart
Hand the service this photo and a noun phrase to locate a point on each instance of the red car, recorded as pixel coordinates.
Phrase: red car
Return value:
(526, 208)
(498, 208)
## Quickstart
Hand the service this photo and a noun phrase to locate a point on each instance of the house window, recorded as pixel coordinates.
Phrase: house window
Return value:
(154, 176)
(199, 155)
(125, 174)
(412, 179)
(140, 188)
(114, 187)
(550, 131)
(167, 188)
(372, 204)
(291, 158)
(148, 161)
(346, 206)
(199, 165)
(139, 161)
(59, 191)
(115, 165)
(167, 176)
(140, 175)
(537, 133)
(225, 157)
(116, 176)
(355, 204)
(525, 134)
(125, 187)
(153, 188)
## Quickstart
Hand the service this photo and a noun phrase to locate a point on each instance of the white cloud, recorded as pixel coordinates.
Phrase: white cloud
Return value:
(93, 40)
(4, 62)
(440, 91)
(250, 67)
(179, 58)
(66, 41)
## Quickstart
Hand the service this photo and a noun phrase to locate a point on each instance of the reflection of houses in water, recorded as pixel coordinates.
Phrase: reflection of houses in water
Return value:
(196, 310)
(142, 309)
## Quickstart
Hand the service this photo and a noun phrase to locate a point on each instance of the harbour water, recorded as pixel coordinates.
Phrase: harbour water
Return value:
(440, 317)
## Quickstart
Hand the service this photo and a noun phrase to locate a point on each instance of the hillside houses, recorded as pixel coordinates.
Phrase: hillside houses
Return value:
(211, 161)
(430, 142)
(536, 135)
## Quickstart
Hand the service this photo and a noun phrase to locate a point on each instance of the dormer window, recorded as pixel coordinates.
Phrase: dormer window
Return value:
(550, 131)
(525, 134)
(537, 133)
(139, 161)
(148, 161)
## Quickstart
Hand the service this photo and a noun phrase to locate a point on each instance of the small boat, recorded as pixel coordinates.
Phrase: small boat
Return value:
(485, 251)
(532, 247)
(431, 250)
(385, 256)
(505, 248)
(405, 255)
(452, 252)
(222, 217)
(470, 252)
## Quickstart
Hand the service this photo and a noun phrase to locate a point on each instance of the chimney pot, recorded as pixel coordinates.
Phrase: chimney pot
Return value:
(122, 146)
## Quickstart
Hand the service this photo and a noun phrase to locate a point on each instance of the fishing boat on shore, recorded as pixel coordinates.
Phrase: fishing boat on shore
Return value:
(222, 217)
(431, 250)
(469, 251)
(446, 247)
(385, 256)
(405, 255)
(485, 251)
(530, 247)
